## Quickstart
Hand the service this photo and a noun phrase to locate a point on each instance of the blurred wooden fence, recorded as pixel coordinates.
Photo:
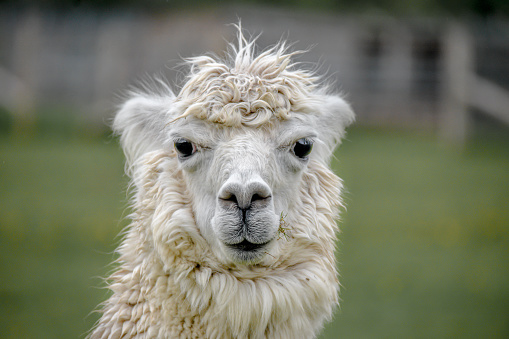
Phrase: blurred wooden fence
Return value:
(395, 72)
(464, 88)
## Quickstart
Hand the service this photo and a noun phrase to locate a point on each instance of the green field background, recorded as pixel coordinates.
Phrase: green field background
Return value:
(424, 249)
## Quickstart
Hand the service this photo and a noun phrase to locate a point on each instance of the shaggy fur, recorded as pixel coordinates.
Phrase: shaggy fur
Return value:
(171, 281)
(251, 92)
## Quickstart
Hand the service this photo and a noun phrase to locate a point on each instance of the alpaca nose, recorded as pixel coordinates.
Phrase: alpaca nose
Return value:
(254, 194)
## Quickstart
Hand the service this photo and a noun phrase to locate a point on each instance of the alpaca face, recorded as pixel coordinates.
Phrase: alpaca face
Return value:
(244, 130)
(241, 181)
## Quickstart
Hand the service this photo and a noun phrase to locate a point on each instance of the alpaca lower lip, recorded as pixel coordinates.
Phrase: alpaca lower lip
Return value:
(247, 246)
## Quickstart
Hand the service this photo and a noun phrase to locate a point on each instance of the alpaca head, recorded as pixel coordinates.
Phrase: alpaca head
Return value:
(244, 131)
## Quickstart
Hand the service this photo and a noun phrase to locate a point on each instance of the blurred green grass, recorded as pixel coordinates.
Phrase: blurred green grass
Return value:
(424, 251)
(425, 247)
(60, 211)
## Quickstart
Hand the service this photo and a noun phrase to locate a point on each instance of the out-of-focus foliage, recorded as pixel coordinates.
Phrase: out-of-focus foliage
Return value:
(396, 7)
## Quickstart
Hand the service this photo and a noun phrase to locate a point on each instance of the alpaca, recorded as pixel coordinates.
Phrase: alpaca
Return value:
(234, 224)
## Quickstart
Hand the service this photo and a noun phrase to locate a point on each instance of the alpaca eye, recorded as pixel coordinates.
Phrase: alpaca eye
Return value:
(185, 148)
(302, 148)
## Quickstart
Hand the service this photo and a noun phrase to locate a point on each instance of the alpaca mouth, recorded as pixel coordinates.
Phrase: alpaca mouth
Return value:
(247, 246)
(246, 252)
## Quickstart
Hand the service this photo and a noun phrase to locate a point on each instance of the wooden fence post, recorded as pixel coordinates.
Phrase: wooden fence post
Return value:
(25, 69)
(458, 68)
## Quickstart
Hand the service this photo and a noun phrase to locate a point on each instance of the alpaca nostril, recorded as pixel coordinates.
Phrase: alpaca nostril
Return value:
(257, 197)
(231, 198)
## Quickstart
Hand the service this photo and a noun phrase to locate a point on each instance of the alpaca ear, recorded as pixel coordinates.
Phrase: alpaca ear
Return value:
(141, 123)
(336, 115)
